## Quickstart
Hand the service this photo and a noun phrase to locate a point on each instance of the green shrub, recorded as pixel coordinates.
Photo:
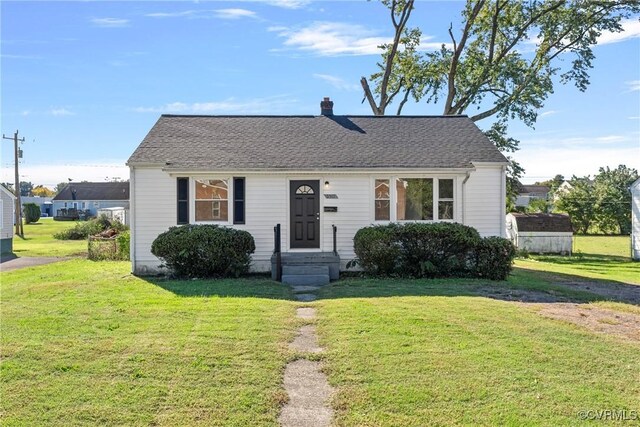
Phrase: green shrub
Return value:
(494, 258)
(432, 250)
(31, 212)
(123, 240)
(205, 251)
(438, 249)
(84, 229)
(377, 250)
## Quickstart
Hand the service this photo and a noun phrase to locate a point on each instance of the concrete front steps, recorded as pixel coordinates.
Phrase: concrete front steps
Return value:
(305, 275)
(307, 270)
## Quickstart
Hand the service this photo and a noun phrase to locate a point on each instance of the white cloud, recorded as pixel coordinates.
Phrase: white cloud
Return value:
(271, 105)
(289, 4)
(631, 29)
(332, 39)
(547, 113)
(61, 112)
(338, 39)
(231, 13)
(581, 155)
(337, 82)
(633, 85)
(110, 22)
(234, 13)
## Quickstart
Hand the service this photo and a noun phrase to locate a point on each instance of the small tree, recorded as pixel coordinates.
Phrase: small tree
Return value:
(580, 203)
(31, 212)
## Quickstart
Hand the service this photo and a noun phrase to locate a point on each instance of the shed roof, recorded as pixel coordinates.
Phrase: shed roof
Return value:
(314, 142)
(543, 222)
(533, 188)
(94, 191)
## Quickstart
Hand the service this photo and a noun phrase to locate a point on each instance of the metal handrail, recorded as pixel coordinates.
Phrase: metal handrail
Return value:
(277, 251)
(335, 244)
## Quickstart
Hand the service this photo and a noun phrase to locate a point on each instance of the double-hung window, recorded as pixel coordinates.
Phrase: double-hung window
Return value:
(212, 200)
(382, 200)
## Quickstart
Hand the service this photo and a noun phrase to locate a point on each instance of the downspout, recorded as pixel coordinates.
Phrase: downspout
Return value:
(464, 206)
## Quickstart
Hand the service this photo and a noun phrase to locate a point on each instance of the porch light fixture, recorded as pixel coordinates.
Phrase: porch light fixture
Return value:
(326, 184)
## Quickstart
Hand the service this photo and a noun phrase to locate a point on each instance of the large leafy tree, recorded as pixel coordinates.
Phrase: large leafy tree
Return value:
(502, 60)
(614, 199)
(579, 202)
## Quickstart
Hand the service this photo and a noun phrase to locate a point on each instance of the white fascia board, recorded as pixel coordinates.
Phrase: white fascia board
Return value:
(326, 171)
(489, 164)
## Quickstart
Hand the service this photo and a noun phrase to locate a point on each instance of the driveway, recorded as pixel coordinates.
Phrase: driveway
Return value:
(14, 263)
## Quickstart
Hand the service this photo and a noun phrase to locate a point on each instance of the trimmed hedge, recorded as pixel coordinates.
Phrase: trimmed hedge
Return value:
(204, 251)
(432, 250)
(31, 213)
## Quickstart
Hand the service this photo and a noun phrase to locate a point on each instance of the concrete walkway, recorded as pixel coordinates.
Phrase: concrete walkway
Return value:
(9, 264)
(307, 386)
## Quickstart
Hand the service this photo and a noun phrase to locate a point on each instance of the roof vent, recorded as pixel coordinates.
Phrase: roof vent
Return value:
(326, 107)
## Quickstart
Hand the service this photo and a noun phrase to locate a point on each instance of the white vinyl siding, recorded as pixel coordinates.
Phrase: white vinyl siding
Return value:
(6, 229)
(154, 208)
(635, 220)
(153, 211)
(484, 207)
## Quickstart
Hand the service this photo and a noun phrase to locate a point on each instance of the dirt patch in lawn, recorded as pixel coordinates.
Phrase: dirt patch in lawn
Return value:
(610, 290)
(597, 319)
(520, 295)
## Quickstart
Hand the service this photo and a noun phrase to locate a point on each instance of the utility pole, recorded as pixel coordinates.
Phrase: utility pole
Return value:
(18, 209)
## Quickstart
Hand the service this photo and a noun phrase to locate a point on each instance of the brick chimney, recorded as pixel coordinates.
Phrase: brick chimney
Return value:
(326, 107)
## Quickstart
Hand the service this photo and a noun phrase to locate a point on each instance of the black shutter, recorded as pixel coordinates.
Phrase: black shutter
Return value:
(183, 200)
(238, 200)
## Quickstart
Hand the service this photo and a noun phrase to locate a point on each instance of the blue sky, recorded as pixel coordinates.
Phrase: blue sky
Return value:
(85, 81)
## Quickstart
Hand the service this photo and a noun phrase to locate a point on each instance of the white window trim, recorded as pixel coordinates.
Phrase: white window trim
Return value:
(393, 214)
(192, 199)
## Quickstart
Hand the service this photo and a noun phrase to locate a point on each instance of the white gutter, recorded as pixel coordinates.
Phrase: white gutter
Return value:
(464, 191)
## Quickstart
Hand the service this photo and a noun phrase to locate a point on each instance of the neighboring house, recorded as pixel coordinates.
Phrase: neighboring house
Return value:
(541, 232)
(527, 193)
(635, 220)
(91, 196)
(7, 204)
(309, 174)
(45, 204)
(563, 188)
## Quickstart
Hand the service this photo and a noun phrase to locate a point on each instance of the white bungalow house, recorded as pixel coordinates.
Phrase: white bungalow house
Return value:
(635, 220)
(7, 206)
(320, 178)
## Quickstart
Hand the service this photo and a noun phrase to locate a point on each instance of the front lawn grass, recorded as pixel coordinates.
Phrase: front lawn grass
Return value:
(594, 257)
(419, 352)
(86, 343)
(38, 240)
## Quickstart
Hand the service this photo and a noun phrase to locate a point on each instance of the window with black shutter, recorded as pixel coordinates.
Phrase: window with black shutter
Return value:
(183, 200)
(238, 200)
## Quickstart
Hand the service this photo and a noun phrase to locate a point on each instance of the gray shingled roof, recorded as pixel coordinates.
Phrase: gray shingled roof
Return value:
(94, 191)
(314, 142)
